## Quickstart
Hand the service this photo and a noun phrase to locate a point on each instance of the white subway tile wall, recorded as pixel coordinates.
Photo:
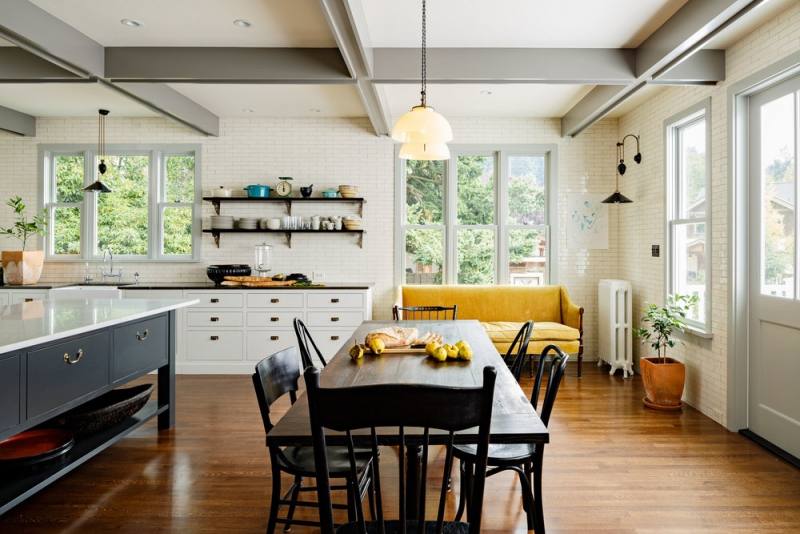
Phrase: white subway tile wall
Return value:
(642, 223)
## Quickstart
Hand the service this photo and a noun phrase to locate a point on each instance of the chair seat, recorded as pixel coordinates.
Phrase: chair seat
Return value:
(392, 527)
(499, 454)
(300, 461)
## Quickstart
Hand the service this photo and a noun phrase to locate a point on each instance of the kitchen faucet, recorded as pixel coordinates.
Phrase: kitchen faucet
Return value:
(110, 273)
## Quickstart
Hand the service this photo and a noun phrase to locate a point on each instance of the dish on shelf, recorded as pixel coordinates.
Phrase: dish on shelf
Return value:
(217, 273)
(222, 222)
(348, 191)
(222, 192)
(247, 223)
(330, 193)
(257, 191)
(35, 446)
(108, 409)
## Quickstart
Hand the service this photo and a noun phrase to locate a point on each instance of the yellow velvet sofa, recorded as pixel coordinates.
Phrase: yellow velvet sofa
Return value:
(502, 310)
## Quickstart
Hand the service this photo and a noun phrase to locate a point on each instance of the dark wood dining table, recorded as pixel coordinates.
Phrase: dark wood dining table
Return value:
(513, 418)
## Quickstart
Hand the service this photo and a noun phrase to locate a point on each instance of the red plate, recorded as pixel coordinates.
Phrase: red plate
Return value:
(34, 446)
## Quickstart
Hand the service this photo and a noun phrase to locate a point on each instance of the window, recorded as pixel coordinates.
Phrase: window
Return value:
(479, 218)
(688, 203)
(149, 215)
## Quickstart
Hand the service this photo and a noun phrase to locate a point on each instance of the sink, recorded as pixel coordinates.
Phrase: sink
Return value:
(99, 290)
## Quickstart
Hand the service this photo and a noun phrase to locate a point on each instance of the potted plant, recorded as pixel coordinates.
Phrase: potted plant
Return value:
(664, 377)
(23, 266)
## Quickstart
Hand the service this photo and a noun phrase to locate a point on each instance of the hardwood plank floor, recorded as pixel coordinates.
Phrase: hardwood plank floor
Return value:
(612, 467)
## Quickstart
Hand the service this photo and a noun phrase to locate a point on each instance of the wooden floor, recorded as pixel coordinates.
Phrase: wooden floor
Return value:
(612, 466)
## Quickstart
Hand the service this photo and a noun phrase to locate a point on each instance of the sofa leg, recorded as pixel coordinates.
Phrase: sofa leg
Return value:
(580, 364)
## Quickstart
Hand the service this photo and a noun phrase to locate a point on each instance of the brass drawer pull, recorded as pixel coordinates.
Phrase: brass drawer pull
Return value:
(214, 338)
(214, 301)
(334, 301)
(334, 338)
(274, 338)
(274, 319)
(334, 319)
(141, 336)
(214, 319)
(28, 299)
(274, 301)
(68, 357)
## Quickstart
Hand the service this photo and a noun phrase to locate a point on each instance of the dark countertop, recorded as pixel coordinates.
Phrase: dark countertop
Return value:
(211, 286)
(31, 286)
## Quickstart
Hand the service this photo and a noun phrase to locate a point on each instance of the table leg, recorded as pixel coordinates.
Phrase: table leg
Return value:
(538, 516)
(413, 458)
(166, 381)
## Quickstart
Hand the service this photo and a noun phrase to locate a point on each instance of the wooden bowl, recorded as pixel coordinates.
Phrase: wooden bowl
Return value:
(35, 446)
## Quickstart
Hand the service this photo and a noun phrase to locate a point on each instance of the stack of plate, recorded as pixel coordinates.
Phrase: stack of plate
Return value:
(248, 223)
(352, 222)
(348, 191)
(221, 222)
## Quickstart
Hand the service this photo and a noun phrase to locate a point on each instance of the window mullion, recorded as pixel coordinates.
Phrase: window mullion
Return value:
(501, 218)
(451, 214)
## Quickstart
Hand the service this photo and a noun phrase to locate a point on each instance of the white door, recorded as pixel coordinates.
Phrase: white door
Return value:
(774, 352)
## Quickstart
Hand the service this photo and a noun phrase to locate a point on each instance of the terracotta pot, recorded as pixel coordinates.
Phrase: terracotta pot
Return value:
(663, 382)
(22, 267)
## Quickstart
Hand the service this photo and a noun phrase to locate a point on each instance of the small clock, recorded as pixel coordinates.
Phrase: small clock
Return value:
(284, 187)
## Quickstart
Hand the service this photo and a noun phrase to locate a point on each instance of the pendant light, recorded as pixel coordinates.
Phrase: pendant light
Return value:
(423, 132)
(97, 186)
(616, 197)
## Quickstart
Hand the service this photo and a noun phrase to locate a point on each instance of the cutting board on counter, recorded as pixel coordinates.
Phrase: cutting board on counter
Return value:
(257, 281)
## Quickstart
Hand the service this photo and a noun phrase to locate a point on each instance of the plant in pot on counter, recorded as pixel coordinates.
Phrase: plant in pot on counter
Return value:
(23, 266)
(664, 377)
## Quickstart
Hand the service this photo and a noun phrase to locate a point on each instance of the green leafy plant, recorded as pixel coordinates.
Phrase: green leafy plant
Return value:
(662, 321)
(24, 228)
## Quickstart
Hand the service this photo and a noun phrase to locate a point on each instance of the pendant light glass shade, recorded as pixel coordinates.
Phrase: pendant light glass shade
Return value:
(422, 124)
(424, 151)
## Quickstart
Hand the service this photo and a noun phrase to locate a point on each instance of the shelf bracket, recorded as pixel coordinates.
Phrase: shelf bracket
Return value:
(361, 240)
(361, 208)
(216, 205)
(288, 206)
(215, 235)
(288, 239)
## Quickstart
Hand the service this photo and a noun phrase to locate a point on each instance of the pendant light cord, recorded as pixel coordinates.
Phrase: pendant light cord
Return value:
(424, 77)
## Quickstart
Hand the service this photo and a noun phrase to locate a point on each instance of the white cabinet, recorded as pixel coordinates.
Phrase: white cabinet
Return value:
(15, 296)
(615, 327)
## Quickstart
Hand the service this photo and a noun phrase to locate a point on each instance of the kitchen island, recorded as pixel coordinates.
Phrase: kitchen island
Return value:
(56, 355)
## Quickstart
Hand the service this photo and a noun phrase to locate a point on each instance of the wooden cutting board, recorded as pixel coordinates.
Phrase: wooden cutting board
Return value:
(255, 281)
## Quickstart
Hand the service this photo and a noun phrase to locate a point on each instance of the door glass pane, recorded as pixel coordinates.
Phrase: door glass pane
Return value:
(69, 178)
(424, 256)
(180, 178)
(424, 192)
(778, 197)
(66, 231)
(475, 190)
(476, 256)
(122, 214)
(692, 172)
(527, 256)
(177, 231)
(689, 268)
(526, 190)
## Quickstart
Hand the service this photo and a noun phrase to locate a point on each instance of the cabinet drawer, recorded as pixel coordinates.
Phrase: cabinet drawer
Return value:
(214, 345)
(330, 341)
(61, 373)
(9, 391)
(275, 319)
(27, 296)
(335, 318)
(217, 299)
(262, 343)
(213, 318)
(275, 299)
(141, 346)
(335, 300)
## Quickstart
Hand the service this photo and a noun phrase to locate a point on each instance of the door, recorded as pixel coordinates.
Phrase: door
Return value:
(774, 304)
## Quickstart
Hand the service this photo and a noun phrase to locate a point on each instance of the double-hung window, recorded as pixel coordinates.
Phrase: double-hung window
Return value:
(150, 214)
(688, 169)
(482, 217)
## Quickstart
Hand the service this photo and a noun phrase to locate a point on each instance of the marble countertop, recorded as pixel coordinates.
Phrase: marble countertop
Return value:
(32, 323)
(193, 285)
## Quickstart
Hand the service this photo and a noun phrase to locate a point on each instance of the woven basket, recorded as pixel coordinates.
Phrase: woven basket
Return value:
(107, 410)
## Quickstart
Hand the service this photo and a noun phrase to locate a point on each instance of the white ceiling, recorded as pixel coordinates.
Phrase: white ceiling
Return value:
(68, 100)
(279, 23)
(232, 100)
(471, 100)
(517, 23)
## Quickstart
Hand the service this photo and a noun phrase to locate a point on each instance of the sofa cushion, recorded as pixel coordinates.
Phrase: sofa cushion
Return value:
(544, 333)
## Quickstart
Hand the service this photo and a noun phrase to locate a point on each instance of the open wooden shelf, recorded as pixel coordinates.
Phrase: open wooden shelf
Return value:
(215, 232)
(288, 201)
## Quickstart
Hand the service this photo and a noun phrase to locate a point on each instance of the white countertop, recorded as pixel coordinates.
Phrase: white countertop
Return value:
(32, 323)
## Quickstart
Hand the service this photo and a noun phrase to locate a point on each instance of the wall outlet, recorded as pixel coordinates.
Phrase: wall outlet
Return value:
(318, 276)
(655, 251)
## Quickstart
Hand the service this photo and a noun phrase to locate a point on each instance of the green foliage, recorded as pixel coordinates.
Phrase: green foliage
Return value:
(23, 228)
(122, 215)
(663, 321)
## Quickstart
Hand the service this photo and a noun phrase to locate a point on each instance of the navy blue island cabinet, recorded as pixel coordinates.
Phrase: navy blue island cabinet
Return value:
(55, 356)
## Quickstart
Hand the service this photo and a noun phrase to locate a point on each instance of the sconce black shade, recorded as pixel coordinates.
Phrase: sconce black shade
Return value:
(638, 157)
(621, 168)
(617, 198)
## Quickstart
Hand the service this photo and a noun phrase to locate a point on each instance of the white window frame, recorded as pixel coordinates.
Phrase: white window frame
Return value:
(501, 226)
(672, 128)
(88, 206)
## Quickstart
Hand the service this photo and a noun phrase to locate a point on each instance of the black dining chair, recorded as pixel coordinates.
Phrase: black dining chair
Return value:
(518, 350)
(275, 376)
(398, 405)
(305, 342)
(525, 458)
(425, 313)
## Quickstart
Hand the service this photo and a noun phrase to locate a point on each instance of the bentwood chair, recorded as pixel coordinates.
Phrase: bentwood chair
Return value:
(398, 405)
(525, 458)
(425, 313)
(518, 350)
(275, 376)
(306, 342)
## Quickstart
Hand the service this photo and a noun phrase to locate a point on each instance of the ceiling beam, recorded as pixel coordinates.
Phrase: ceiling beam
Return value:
(15, 122)
(226, 65)
(703, 67)
(342, 17)
(672, 44)
(20, 66)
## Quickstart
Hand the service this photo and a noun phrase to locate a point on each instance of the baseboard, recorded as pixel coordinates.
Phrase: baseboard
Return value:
(771, 447)
(215, 368)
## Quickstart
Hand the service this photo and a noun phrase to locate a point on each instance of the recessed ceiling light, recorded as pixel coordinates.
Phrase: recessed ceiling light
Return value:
(247, 110)
(241, 23)
(131, 23)
(486, 92)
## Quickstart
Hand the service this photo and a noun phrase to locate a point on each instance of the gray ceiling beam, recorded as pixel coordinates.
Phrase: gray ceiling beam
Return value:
(18, 123)
(226, 65)
(342, 18)
(703, 67)
(20, 66)
(677, 40)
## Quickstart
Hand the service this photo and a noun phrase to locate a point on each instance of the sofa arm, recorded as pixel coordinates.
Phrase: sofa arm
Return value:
(571, 313)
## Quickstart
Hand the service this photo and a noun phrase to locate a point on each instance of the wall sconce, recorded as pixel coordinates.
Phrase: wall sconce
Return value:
(621, 167)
